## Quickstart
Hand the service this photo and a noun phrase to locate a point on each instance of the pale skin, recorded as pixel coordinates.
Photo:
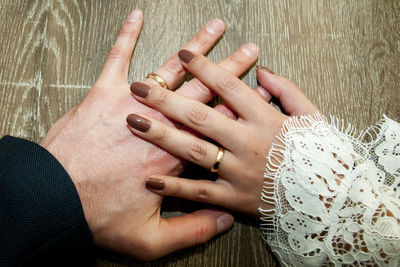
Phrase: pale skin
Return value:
(109, 165)
(246, 134)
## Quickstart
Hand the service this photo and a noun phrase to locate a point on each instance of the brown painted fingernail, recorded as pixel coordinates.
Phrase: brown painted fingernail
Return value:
(262, 68)
(140, 89)
(155, 184)
(185, 55)
(138, 122)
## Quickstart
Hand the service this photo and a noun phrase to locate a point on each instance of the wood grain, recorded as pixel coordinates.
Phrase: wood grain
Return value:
(344, 54)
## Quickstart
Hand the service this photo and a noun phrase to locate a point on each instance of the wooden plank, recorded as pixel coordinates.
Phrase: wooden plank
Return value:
(338, 52)
(17, 111)
(22, 27)
(344, 54)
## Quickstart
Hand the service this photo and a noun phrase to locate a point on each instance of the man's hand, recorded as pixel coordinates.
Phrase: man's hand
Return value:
(109, 165)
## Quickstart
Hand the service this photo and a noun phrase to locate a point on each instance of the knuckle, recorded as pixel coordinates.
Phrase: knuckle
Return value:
(160, 98)
(174, 67)
(177, 190)
(198, 115)
(127, 31)
(197, 152)
(202, 194)
(160, 135)
(199, 41)
(200, 236)
(235, 60)
(116, 52)
(228, 84)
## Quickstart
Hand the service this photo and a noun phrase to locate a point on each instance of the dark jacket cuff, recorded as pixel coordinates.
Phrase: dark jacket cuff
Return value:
(41, 216)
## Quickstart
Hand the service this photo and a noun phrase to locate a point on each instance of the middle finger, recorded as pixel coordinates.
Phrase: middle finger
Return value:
(243, 100)
(237, 63)
(189, 112)
(172, 71)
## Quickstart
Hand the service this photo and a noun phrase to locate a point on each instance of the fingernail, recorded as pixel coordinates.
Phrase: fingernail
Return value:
(215, 26)
(155, 184)
(138, 122)
(224, 222)
(264, 93)
(135, 15)
(185, 55)
(140, 89)
(250, 49)
(262, 68)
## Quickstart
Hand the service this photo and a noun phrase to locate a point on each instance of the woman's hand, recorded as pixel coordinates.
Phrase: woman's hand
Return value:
(109, 166)
(246, 140)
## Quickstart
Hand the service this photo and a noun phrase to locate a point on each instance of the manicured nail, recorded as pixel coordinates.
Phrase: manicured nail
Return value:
(262, 68)
(138, 122)
(155, 184)
(250, 49)
(215, 26)
(140, 89)
(185, 55)
(224, 222)
(135, 15)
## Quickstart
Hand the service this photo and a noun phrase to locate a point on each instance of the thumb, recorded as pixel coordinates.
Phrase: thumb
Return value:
(192, 229)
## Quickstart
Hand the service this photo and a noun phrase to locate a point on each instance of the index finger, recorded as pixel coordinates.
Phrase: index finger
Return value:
(237, 63)
(117, 64)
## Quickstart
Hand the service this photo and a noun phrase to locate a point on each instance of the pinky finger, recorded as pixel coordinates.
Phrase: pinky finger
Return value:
(228, 112)
(195, 190)
(293, 100)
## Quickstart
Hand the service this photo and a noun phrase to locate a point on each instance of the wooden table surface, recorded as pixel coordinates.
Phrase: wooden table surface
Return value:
(344, 54)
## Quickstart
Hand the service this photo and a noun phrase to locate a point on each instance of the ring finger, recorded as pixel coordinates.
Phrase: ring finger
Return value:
(179, 143)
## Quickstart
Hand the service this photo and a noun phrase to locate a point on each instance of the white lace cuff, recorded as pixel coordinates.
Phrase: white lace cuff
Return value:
(335, 196)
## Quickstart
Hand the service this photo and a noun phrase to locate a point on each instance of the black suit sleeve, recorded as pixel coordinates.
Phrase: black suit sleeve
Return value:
(41, 217)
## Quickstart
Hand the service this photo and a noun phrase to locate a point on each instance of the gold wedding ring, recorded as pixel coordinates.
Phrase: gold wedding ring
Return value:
(218, 160)
(158, 79)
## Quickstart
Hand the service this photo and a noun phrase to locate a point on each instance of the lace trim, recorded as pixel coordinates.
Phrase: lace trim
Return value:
(335, 236)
